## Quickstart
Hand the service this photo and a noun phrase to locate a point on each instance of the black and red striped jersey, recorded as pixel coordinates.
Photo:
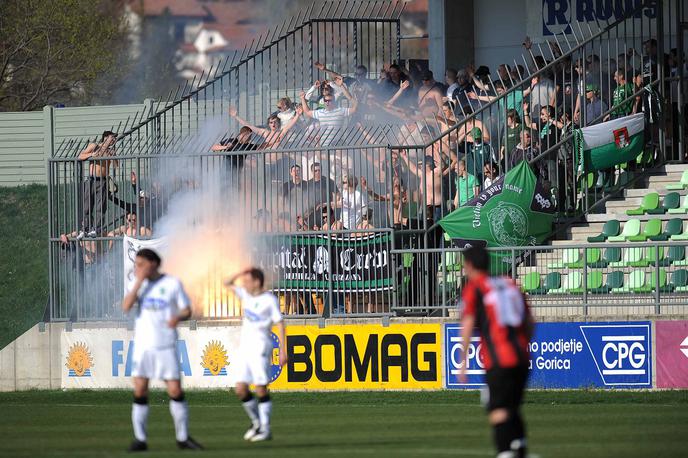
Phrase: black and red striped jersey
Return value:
(502, 317)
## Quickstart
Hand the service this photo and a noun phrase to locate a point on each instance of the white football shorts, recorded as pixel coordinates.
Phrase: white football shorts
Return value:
(156, 363)
(253, 368)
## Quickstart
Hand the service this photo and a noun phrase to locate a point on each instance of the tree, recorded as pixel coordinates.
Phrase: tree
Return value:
(58, 50)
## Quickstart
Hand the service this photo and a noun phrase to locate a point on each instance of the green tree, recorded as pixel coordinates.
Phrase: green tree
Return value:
(59, 50)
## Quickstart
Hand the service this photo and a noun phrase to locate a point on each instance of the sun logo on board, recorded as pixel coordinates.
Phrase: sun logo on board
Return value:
(214, 360)
(79, 360)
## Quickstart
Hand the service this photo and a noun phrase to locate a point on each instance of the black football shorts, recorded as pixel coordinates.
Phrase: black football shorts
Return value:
(505, 387)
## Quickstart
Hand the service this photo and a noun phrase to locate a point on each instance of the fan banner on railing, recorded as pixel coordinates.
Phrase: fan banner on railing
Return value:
(310, 262)
(513, 212)
(611, 143)
(130, 247)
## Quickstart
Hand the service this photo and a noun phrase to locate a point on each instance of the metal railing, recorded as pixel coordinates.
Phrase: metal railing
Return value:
(613, 279)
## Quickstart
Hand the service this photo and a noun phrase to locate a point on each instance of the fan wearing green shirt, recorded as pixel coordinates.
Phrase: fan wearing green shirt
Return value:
(467, 186)
(622, 102)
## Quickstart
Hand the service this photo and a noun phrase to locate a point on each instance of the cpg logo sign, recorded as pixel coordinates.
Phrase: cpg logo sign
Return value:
(454, 359)
(621, 353)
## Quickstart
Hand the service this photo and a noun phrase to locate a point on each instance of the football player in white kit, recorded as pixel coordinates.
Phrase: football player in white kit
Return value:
(162, 304)
(261, 311)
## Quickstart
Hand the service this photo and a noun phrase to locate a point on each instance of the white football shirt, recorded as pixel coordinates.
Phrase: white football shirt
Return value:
(260, 313)
(159, 301)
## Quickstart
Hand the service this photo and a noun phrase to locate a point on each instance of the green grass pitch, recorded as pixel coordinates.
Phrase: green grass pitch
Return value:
(560, 424)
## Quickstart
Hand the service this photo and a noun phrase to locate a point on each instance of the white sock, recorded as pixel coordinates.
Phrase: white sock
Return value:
(251, 408)
(180, 416)
(139, 418)
(264, 410)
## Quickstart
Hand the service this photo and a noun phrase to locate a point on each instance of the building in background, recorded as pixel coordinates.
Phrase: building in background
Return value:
(204, 32)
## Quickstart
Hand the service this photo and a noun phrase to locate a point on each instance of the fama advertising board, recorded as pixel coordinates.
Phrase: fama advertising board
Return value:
(347, 357)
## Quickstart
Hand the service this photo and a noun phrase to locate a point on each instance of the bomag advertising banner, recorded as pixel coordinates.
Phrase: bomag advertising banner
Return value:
(362, 357)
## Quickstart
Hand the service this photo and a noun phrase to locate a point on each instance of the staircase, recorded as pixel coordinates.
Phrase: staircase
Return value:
(619, 304)
(615, 208)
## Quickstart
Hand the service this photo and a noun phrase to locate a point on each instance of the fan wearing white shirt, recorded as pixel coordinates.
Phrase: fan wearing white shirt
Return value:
(352, 202)
(261, 312)
(331, 118)
(162, 304)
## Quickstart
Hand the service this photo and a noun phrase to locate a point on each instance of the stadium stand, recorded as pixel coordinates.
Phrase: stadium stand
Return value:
(379, 172)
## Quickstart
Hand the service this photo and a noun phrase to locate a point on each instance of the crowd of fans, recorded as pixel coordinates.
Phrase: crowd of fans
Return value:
(536, 113)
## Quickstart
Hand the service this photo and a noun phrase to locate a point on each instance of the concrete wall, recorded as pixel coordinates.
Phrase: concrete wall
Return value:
(33, 360)
(500, 28)
(27, 139)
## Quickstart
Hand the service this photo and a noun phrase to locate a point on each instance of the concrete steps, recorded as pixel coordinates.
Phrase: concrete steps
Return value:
(631, 199)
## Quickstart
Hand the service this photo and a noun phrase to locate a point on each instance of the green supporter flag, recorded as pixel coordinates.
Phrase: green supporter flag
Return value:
(512, 212)
(610, 143)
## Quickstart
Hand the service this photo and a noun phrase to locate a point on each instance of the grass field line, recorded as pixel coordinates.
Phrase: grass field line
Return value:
(233, 404)
(306, 406)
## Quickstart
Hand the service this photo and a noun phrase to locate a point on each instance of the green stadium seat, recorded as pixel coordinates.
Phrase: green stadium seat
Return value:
(630, 229)
(552, 281)
(452, 261)
(682, 184)
(675, 255)
(673, 227)
(670, 202)
(619, 280)
(678, 237)
(637, 282)
(601, 261)
(658, 283)
(678, 283)
(682, 210)
(572, 284)
(649, 203)
(654, 256)
(531, 282)
(610, 229)
(632, 257)
(612, 254)
(652, 228)
(594, 282)
(593, 256)
(615, 280)
(569, 256)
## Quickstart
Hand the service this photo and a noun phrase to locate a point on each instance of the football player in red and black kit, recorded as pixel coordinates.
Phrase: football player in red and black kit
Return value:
(500, 311)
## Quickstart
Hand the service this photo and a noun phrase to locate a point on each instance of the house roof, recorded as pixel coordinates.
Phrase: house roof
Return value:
(416, 6)
(186, 8)
(239, 22)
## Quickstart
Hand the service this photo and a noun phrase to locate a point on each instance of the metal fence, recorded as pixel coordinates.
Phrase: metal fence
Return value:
(603, 279)
(344, 220)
